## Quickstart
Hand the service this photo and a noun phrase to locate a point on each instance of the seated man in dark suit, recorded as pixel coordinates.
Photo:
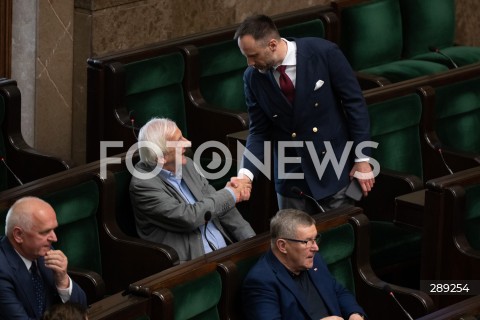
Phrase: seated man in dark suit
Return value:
(33, 276)
(170, 207)
(291, 281)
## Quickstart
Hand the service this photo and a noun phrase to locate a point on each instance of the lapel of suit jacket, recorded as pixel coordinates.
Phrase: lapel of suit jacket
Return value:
(267, 85)
(22, 276)
(190, 181)
(305, 80)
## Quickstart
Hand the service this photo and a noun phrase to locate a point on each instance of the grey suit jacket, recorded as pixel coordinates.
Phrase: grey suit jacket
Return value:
(162, 215)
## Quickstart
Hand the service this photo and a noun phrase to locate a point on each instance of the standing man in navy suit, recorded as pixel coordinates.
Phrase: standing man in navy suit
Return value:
(320, 114)
(26, 252)
(291, 281)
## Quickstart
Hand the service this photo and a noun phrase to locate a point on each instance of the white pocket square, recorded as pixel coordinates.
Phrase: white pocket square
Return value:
(318, 84)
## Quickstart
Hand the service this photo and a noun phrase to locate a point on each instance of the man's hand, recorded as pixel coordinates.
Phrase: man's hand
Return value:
(364, 174)
(241, 186)
(58, 262)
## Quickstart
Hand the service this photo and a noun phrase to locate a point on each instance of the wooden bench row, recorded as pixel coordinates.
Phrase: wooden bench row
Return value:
(209, 286)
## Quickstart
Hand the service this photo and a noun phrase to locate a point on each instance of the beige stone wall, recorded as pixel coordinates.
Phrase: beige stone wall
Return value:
(54, 77)
(70, 31)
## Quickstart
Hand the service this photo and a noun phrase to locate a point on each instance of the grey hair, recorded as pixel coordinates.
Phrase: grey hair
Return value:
(156, 131)
(286, 222)
(19, 216)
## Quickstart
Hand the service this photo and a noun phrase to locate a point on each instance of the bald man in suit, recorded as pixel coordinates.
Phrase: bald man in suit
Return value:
(26, 251)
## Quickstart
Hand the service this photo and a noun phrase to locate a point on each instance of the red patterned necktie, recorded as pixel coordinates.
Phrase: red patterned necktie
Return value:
(286, 84)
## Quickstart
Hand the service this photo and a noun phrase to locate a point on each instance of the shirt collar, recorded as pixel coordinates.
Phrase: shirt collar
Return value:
(291, 56)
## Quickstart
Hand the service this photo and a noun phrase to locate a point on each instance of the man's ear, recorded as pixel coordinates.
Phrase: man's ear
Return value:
(17, 234)
(273, 44)
(281, 245)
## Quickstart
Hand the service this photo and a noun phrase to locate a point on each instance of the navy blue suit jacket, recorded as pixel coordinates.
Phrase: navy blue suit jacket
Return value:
(17, 299)
(269, 292)
(335, 112)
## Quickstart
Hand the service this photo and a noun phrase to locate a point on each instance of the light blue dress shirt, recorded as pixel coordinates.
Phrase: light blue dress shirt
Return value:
(213, 234)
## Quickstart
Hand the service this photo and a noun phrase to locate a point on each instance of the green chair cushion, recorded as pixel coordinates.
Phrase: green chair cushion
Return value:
(198, 299)
(390, 244)
(402, 70)
(221, 77)
(457, 112)
(77, 231)
(395, 127)
(427, 23)
(371, 33)
(472, 216)
(154, 89)
(336, 247)
(461, 55)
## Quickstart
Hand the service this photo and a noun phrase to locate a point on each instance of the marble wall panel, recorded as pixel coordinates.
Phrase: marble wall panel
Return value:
(53, 110)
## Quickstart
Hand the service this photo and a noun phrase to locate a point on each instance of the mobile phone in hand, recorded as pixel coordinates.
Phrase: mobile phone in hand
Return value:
(354, 190)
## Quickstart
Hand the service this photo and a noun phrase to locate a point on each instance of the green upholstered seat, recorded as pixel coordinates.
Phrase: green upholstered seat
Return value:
(198, 298)
(371, 38)
(395, 126)
(77, 231)
(431, 23)
(221, 75)
(457, 114)
(154, 89)
(336, 247)
(472, 216)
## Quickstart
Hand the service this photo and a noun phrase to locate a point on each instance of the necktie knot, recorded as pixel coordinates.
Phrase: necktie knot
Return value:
(286, 84)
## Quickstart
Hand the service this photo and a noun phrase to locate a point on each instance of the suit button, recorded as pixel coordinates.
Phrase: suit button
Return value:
(315, 129)
(316, 104)
(294, 135)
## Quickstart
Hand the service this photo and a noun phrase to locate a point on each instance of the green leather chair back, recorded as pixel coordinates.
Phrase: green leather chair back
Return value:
(427, 23)
(371, 33)
(457, 113)
(395, 126)
(77, 231)
(154, 89)
(198, 299)
(221, 75)
(336, 247)
(472, 216)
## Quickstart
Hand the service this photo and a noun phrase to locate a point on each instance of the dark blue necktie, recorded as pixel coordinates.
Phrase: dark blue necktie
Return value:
(38, 288)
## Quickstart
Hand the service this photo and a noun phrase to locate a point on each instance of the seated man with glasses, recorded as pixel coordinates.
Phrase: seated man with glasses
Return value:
(291, 281)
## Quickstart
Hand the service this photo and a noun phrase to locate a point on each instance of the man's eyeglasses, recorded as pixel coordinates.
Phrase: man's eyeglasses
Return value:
(308, 243)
